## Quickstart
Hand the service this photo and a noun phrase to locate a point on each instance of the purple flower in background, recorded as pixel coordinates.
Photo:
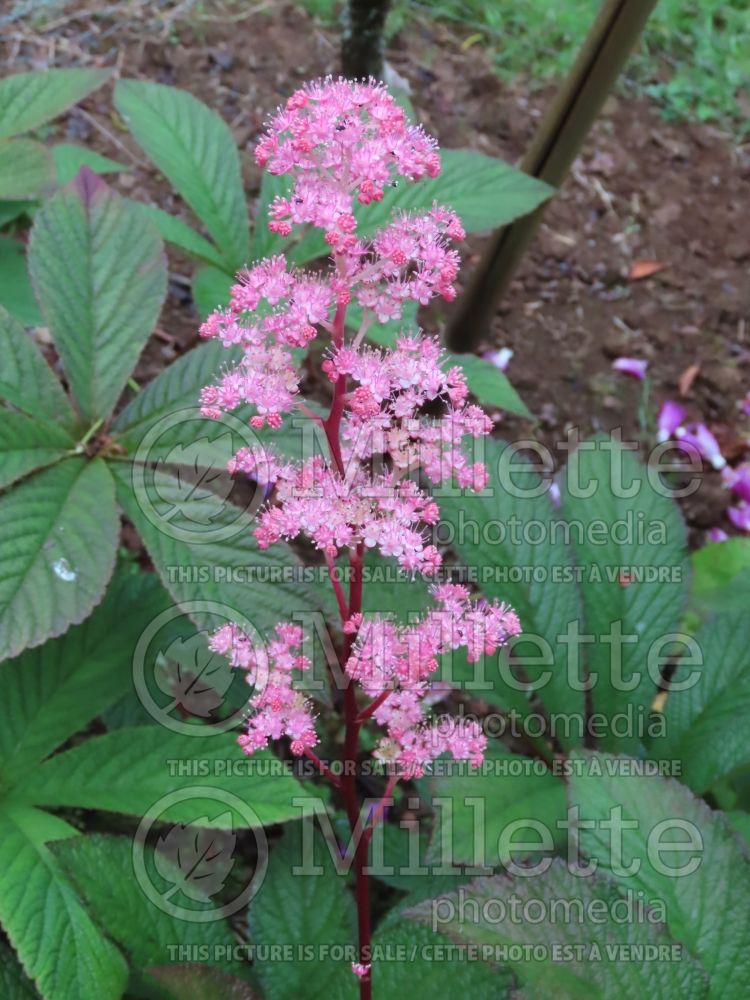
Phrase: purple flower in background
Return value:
(499, 359)
(740, 516)
(701, 438)
(745, 405)
(738, 481)
(717, 535)
(670, 420)
(631, 366)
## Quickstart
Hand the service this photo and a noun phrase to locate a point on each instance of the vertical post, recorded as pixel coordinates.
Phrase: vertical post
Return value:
(555, 146)
(362, 38)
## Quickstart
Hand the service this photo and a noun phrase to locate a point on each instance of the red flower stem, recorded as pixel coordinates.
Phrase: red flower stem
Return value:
(348, 783)
(322, 767)
(381, 807)
(372, 708)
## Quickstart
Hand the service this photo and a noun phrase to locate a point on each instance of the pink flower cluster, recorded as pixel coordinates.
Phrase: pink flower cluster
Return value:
(393, 663)
(340, 141)
(393, 412)
(279, 709)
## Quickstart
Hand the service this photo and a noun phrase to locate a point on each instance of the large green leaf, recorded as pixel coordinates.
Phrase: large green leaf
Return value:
(60, 947)
(52, 691)
(721, 577)
(210, 289)
(631, 542)
(513, 545)
(194, 148)
(195, 981)
(26, 169)
(29, 99)
(179, 233)
(100, 275)
(101, 869)
(27, 444)
(14, 984)
(708, 721)
(573, 945)
(482, 814)
(628, 822)
(15, 288)
(304, 911)
(132, 770)
(491, 386)
(219, 556)
(26, 380)
(69, 159)
(58, 539)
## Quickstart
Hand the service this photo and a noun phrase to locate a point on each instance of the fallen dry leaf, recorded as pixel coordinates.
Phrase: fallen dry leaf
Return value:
(687, 378)
(641, 269)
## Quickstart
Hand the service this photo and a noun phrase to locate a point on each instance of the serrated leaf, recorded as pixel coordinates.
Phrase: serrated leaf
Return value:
(100, 275)
(69, 158)
(101, 869)
(56, 940)
(196, 859)
(14, 984)
(196, 982)
(26, 169)
(491, 386)
(623, 531)
(707, 723)
(194, 148)
(132, 770)
(15, 288)
(514, 544)
(52, 691)
(476, 807)
(27, 444)
(58, 539)
(180, 234)
(704, 884)
(26, 380)
(226, 564)
(302, 910)
(30, 99)
(591, 953)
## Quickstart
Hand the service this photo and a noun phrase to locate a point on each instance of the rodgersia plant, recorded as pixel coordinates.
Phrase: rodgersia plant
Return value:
(343, 143)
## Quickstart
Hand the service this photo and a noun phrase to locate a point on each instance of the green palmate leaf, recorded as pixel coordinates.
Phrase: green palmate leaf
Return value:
(26, 380)
(58, 538)
(484, 815)
(27, 444)
(101, 869)
(515, 548)
(58, 944)
(14, 984)
(108, 772)
(721, 577)
(194, 148)
(100, 275)
(26, 169)
(52, 691)
(213, 540)
(196, 982)
(573, 944)
(708, 709)
(180, 234)
(15, 288)
(30, 99)
(69, 159)
(491, 386)
(655, 837)
(631, 542)
(302, 910)
(210, 289)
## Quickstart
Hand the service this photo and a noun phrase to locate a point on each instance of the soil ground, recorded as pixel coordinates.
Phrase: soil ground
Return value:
(642, 190)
